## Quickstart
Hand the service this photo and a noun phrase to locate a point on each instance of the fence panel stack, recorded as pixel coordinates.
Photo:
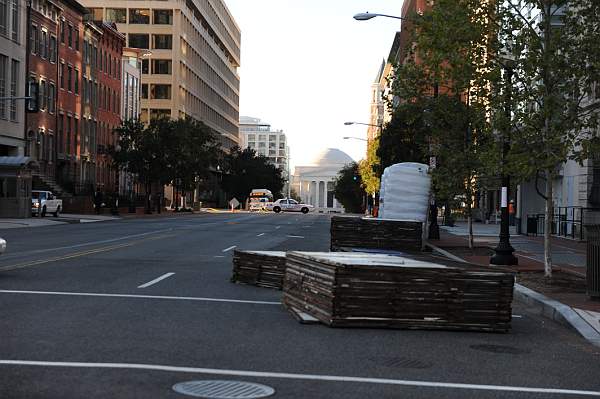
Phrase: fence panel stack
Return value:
(358, 232)
(366, 290)
(260, 268)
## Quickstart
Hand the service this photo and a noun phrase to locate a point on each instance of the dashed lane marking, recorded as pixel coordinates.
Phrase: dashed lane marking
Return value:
(290, 236)
(230, 248)
(156, 280)
(306, 377)
(260, 235)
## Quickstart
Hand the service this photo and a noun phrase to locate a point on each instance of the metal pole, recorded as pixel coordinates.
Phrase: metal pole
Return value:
(504, 251)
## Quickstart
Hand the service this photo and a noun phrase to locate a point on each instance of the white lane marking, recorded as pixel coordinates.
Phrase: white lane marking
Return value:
(296, 376)
(156, 280)
(219, 256)
(260, 235)
(295, 236)
(134, 296)
(230, 248)
(277, 227)
(516, 316)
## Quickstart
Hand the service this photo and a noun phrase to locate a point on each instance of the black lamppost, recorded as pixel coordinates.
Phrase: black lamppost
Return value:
(504, 251)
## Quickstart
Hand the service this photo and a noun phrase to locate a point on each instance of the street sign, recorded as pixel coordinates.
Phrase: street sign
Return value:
(234, 203)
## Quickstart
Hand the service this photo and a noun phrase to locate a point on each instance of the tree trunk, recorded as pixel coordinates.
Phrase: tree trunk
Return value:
(549, 212)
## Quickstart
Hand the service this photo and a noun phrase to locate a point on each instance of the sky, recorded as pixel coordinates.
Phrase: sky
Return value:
(307, 67)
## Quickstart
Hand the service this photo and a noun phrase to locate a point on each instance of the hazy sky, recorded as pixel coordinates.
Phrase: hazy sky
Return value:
(307, 67)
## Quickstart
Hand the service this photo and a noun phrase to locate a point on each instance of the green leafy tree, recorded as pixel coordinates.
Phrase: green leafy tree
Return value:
(370, 168)
(443, 87)
(555, 63)
(348, 188)
(245, 171)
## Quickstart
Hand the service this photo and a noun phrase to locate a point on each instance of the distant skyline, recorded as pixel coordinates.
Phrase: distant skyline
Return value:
(307, 67)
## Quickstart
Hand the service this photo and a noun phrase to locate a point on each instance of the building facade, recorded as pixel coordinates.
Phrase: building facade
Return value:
(43, 69)
(13, 41)
(131, 83)
(191, 70)
(259, 136)
(314, 182)
(70, 31)
(109, 72)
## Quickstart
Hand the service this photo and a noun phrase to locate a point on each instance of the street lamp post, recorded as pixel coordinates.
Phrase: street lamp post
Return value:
(365, 16)
(504, 251)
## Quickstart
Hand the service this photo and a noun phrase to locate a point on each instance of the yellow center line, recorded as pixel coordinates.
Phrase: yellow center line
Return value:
(80, 254)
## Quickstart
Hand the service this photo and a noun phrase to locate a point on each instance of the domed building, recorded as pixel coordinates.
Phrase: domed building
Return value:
(314, 182)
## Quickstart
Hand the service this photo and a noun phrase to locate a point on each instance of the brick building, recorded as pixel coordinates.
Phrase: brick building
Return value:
(42, 68)
(110, 54)
(70, 33)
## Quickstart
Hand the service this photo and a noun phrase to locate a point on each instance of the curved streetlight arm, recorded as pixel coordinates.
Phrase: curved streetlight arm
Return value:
(365, 16)
(360, 123)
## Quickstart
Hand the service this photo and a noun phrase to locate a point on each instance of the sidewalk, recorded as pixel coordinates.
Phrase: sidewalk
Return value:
(566, 295)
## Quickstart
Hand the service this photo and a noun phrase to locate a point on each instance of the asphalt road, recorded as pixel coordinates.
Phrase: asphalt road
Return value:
(127, 309)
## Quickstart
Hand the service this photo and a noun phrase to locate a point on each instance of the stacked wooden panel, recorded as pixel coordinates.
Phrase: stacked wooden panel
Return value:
(368, 290)
(260, 268)
(358, 232)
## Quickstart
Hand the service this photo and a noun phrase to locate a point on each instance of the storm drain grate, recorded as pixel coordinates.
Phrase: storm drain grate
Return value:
(402, 362)
(511, 350)
(215, 389)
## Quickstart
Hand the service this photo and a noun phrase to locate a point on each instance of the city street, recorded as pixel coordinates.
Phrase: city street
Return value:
(128, 308)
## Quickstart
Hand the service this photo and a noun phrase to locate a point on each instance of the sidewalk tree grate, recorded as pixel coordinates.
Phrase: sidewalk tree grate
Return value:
(220, 389)
(511, 350)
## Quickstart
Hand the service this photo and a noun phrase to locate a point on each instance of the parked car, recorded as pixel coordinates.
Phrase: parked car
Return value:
(43, 202)
(289, 205)
(2, 245)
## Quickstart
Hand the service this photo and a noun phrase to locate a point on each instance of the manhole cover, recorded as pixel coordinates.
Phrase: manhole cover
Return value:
(223, 389)
(499, 349)
(403, 362)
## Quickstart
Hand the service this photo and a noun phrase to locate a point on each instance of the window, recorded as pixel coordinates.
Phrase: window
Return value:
(52, 52)
(137, 40)
(33, 39)
(145, 69)
(76, 81)
(3, 79)
(51, 97)
(163, 17)
(144, 91)
(70, 78)
(14, 83)
(161, 67)
(61, 75)
(139, 16)
(97, 14)
(62, 31)
(42, 94)
(163, 42)
(44, 45)
(3, 17)
(15, 20)
(76, 39)
(118, 15)
(68, 131)
(252, 137)
(160, 113)
(161, 92)
(70, 35)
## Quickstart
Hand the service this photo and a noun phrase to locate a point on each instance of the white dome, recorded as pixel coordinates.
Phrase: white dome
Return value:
(331, 156)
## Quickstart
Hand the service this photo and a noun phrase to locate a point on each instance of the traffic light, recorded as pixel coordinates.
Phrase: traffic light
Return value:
(32, 104)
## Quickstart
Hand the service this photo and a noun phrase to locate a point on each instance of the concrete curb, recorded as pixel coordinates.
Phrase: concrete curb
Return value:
(544, 306)
(558, 312)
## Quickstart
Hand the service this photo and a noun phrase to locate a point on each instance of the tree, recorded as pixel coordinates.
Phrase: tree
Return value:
(244, 171)
(166, 152)
(555, 64)
(348, 188)
(442, 86)
(370, 168)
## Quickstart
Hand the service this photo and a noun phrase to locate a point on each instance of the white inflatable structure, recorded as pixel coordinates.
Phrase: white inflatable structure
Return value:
(404, 193)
